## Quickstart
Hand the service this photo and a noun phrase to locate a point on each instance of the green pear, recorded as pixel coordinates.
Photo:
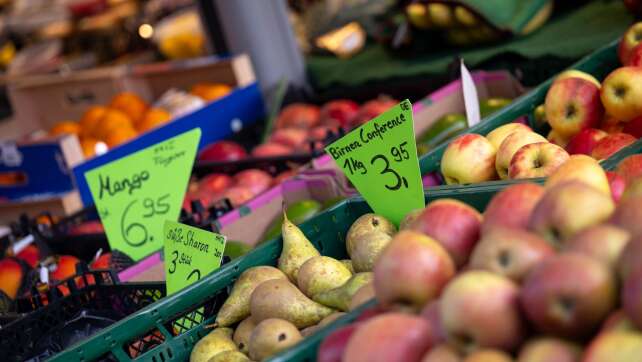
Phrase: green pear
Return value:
(271, 336)
(242, 334)
(321, 273)
(366, 248)
(230, 356)
(409, 218)
(348, 264)
(365, 224)
(297, 249)
(279, 298)
(340, 297)
(237, 305)
(217, 341)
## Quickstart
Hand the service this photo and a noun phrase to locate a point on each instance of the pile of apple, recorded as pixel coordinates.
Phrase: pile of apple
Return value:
(585, 117)
(547, 273)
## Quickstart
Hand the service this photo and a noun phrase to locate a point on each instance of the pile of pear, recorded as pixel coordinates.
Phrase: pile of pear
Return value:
(270, 309)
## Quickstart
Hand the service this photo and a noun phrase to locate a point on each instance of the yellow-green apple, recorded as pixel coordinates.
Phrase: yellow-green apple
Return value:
(510, 145)
(567, 209)
(538, 159)
(622, 93)
(617, 184)
(632, 295)
(581, 168)
(569, 295)
(389, 337)
(634, 126)
(556, 138)
(469, 158)
(548, 349)
(630, 40)
(539, 116)
(453, 224)
(630, 168)
(602, 242)
(480, 309)
(574, 73)
(496, 136)
(611, 144)
(585, 141)
(509, 252)
(488, 355)
(573, 104)
(615, 346)
(628, 215)
(421, 262)
(617, 321)
(512, 206)
(630, 257)
(442, 353)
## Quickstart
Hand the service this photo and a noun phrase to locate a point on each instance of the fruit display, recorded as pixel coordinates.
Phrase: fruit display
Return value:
(125, 117)
(584, 116)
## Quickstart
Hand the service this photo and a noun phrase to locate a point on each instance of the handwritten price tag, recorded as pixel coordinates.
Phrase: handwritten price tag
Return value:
(190, 254)
(380, 159)
(136, 194)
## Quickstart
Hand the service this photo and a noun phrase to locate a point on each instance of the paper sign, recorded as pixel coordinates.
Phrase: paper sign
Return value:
(470, 96)
(134, 195)
(380, 159)
(190, 254)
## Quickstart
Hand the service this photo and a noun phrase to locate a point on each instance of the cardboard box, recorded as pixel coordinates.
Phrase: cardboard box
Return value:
(249, 222)
(39, 101)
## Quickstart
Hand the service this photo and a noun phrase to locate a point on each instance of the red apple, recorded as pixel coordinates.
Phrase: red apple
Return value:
(222, 151)
(573, 104)
(602, 242)
(622, 93)
(298, 115)
(30, 254)
(617, 321)
(632, 296)
(215, 183)
(431, 313)
(569, 295)
(334, 344)
(11, 274)
(387, 338)
(238, 195)
(611, 144)
(453, 224)
(630, 168)
(633, 127)
(319, 133)
(372, 109)
(545, 349)
(630, 257)
(540, 159)
(271, 149)
(418, 260)
(611, 124)
(256, 180)
(480, 309)
(469, 158)
(585, 141)
(291, 137)
(635, 56)
(512, 206)
(628, 215)
(341, 111)
(284, 176)
(617, 184)
(630, 40)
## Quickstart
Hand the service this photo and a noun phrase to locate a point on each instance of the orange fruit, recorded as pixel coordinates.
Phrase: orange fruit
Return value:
(120, 135)
(130, 104)
(65, 127)
(112, 120)
(210, 91)
(88, 145)
(153, 118)
(90, 120)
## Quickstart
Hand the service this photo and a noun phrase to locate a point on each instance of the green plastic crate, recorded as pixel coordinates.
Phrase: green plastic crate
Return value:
(599, 64)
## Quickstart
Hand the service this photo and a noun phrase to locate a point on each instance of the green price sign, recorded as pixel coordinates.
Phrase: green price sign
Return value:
(380, 159)
(190, 254)
(134, 195)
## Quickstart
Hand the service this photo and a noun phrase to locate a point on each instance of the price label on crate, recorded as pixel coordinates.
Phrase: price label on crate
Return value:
(190, 254)
(134, 195)
(380, 159)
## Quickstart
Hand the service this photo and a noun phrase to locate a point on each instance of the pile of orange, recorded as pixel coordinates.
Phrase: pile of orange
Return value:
(126, 116)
